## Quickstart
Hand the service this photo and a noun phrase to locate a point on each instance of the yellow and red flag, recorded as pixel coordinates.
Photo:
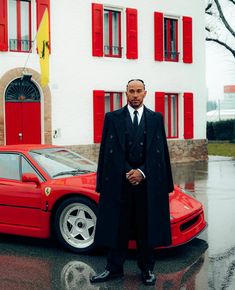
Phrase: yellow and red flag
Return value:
(43, 47)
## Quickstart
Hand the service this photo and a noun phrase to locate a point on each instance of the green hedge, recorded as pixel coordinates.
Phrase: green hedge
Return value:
(221, 130)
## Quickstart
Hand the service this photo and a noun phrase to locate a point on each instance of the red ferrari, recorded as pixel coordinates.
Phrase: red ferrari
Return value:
(49, 190)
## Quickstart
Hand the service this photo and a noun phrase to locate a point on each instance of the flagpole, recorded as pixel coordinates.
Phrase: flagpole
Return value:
(29, 53)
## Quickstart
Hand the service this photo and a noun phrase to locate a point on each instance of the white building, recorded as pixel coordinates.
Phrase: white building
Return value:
(226, 107)
(96, 47)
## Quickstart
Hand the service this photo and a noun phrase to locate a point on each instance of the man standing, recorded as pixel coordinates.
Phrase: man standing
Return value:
(134, 179)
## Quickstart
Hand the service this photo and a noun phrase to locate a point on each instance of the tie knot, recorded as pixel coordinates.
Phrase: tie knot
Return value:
(135, 112)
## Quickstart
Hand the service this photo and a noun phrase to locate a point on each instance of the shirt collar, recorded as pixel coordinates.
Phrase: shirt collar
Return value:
(140, 110)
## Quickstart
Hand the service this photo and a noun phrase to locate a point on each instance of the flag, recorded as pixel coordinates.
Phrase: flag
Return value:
(43, 43)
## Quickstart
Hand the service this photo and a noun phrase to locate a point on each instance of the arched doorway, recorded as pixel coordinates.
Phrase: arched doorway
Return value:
(22, 112)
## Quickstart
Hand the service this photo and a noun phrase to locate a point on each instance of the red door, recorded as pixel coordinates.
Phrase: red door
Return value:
(23, 122)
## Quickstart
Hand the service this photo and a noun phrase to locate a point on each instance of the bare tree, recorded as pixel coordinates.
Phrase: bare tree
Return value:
(220, 23)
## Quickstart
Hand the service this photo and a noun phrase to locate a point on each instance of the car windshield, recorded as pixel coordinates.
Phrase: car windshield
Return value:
(61, 162)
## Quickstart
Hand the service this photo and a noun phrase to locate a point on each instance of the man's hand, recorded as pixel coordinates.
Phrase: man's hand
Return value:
(134, 176)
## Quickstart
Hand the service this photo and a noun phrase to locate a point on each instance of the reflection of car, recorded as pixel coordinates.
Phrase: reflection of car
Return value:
(47, 190)
(30, 269)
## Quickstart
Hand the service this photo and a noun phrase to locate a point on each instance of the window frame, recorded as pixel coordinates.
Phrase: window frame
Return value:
(35, 171)
(168, 52)
(19, 165)
(111, 96)
(22, 157)
(18, 27)
(110, 32)
(99, 111)
(169, 115)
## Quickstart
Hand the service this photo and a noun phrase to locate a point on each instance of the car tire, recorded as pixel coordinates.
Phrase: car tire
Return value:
(74, 224)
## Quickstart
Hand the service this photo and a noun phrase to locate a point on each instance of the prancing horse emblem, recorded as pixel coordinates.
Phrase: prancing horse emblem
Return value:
(47, 191)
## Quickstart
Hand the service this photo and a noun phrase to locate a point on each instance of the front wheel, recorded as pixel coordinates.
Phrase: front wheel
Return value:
(74, 224)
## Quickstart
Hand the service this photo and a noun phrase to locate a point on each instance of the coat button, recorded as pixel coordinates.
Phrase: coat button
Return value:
(111, 136)
(158, 151)
(141, 143)
(130, 143)
(111, 151)
(106, 178)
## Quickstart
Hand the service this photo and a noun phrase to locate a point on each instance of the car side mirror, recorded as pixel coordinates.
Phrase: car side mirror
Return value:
(30, 177)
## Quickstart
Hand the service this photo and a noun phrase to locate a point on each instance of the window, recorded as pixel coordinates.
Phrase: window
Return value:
(112, 33)
(10, 166)
(170, 39)
(166, 39)
(16, 23)
(107, 32)
(27, 168)
(171, 115)
(113, 101)
(19, 24)
(103, 102)
(168, 105)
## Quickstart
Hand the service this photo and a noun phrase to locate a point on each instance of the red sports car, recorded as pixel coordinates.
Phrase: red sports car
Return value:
(49, 190)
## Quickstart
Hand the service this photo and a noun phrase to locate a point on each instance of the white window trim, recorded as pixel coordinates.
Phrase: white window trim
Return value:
(123, 32)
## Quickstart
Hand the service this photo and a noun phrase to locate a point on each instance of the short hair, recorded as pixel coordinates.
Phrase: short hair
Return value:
(138, 80)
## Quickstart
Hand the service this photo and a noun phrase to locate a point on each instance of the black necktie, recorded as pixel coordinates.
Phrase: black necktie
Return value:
(135, 121)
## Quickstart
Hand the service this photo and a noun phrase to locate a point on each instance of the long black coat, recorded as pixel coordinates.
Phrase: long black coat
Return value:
(111, 172)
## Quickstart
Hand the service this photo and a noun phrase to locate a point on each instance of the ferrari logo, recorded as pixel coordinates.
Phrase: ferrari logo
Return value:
(47, 191)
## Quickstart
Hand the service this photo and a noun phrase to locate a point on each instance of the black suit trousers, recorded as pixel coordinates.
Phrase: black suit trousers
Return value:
(133, 217)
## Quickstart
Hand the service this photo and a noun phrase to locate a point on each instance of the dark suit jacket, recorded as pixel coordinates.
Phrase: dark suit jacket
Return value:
(111, 174)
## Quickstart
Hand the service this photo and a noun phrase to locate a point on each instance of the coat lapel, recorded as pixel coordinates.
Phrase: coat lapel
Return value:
(150, 127)
(120, 125)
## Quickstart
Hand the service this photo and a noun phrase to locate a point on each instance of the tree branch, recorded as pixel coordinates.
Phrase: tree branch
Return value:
(221, 14)
(209, 6)
(222, 43)
(232, 1)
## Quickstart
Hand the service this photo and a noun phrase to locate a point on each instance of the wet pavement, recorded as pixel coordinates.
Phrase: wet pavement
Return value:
(206, 263)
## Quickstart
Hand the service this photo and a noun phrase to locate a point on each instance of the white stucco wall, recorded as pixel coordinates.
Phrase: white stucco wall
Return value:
(75, 73)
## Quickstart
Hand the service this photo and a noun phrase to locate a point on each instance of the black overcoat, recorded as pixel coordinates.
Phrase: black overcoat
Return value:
(111, 172)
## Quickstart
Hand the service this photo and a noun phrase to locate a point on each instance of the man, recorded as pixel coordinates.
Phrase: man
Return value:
(133, 178)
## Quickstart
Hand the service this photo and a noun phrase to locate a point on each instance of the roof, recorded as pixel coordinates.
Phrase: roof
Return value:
(27, 147)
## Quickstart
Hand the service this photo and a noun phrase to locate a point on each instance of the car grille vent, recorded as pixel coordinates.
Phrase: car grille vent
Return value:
(188, 224)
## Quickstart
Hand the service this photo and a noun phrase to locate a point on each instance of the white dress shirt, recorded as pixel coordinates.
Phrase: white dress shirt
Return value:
(139, 114)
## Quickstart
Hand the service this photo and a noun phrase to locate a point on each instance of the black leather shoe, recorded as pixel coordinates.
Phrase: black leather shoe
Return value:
(105, 276)
(148, 277)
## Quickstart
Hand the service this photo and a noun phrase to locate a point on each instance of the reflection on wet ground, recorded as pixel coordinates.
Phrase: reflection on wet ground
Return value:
(213, 183)
(32, 264)
(206, 263)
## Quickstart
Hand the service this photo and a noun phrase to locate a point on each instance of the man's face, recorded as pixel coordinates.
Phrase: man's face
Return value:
(135, 94)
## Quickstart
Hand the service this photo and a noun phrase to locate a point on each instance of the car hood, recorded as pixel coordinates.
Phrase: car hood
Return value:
(85, 181)
(182, 205)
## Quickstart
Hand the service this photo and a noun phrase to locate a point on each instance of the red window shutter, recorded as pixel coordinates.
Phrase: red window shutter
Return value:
(187, 40)
(131, 33)
(98, 114)
(158, 36)
(188, 116)
(3, 26)
(97, 29)
(160, 103)
(41, 7)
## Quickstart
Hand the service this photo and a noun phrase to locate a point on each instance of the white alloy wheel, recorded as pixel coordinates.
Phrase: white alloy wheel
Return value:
(75, 223)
